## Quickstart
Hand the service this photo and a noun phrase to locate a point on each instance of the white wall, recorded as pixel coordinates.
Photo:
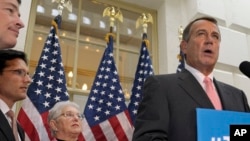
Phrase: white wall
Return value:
(234, 25)
(25, 13)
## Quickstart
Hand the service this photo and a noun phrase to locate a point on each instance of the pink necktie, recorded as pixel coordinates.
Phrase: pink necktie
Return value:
(211, 92)
(10, 114)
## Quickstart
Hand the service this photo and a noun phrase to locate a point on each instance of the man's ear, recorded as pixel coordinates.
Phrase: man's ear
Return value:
(183, 46)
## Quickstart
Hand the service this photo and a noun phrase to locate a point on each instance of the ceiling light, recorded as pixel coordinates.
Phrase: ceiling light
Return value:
(102, 24)
(54, 12)
(86, 20)
(129, 31)
(84, 86)
(40, 9)
(72, 16)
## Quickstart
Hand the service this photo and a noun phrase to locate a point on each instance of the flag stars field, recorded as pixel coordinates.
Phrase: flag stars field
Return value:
(144, 69)
(106, 115)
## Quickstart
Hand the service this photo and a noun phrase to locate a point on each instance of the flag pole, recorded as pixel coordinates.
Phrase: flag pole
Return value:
(106, 113)
(144, 67)
(48, 87)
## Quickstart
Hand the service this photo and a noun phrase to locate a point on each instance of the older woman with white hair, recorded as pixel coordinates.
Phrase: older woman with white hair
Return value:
(65, 121)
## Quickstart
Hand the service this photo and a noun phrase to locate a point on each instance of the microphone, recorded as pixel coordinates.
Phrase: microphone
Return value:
(245, 68)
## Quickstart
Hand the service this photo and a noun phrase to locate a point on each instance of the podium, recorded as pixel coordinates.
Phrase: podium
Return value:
(214, 125)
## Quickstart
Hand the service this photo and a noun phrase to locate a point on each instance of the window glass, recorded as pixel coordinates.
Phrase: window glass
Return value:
(82, 39)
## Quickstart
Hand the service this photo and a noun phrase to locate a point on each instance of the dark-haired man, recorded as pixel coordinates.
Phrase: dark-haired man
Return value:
(14, 81)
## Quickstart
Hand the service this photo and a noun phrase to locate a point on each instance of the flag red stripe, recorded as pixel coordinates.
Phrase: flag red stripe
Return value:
(80, 137)
(128, 117)
(98, 134)
(27, 125)
(45, 123)
(118, 130)
(87, 132)
(31, 119)
(126, 124)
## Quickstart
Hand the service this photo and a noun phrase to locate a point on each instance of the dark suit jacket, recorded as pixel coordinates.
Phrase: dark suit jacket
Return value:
(6, 133)
(168, 109)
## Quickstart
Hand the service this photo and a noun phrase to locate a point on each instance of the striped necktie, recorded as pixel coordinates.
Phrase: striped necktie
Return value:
(10, 114)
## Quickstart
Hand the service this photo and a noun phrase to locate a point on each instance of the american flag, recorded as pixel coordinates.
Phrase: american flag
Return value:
(144, 69)
(47, 88)
(181, 65)
(106, 114)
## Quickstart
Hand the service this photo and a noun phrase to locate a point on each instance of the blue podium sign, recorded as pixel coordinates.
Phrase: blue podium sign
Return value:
(214, 125)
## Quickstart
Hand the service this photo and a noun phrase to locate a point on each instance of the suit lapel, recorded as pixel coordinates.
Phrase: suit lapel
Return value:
(194, 90)
(5, 127)
(224, 94)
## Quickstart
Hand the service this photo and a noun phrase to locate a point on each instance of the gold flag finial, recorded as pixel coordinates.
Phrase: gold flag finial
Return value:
(62, 4)
(180, 33)
(180, 56)
(113, 14)
(143, 21)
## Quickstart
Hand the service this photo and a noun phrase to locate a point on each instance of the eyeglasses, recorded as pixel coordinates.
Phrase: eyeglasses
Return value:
(72, 115)
(20, 72)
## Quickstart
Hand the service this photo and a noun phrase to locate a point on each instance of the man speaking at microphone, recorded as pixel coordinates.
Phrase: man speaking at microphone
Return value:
(168, 109)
